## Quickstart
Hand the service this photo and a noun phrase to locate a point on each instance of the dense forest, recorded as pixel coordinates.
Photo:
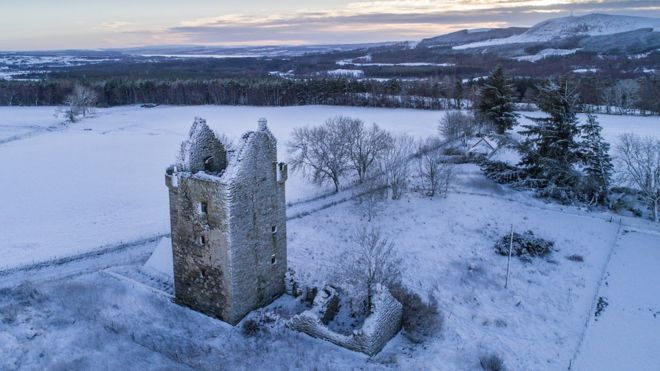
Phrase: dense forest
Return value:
(621, 97)
(450, 81)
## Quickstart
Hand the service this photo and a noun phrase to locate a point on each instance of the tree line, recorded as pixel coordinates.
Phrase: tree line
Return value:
(618, 97)
(253, 91)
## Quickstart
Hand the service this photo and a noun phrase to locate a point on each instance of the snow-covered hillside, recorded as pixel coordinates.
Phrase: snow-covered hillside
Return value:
(561, 28)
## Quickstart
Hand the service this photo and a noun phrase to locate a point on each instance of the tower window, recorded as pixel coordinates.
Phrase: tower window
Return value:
(273, 229)
(203, 207)
(273, 259)
(201, 240)
(208, 164)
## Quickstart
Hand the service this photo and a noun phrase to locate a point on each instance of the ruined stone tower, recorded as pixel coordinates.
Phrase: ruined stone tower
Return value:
(227, 212)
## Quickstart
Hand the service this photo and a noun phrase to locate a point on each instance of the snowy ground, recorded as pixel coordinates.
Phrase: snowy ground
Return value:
(71, 190)
(21, 122)
(626, 335)
(101, 181)
(446, 244)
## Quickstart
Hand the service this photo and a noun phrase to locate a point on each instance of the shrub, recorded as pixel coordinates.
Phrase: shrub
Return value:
(421, 320)
(575, 258)
(525, 245)
(600, 307)
(251, 327)
(500, 171)
(453, 151)
(492, 362)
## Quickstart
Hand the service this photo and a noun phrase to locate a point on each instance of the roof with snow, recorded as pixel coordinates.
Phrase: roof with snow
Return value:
(204, 155)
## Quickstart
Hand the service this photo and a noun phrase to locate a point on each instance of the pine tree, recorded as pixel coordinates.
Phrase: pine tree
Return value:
(458, 94)
(550, 150)
(496, 102)
(597, 161)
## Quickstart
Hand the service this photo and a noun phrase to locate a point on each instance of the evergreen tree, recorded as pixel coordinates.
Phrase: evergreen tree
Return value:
(496, 102)
(597, 161)
(550, 149)
(458, 94)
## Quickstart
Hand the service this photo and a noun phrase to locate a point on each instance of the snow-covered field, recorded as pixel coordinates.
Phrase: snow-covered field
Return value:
(17, 123)
(625, 336)
(101, 182)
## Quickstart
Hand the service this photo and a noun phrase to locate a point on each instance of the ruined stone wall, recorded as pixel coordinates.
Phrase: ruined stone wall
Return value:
(377, 330)
(257, 225)
(202, 151)
(382, 324)
(199, 243)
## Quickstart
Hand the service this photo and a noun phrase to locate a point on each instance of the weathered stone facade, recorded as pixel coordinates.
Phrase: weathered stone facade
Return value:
(378, 328)
(228, 219)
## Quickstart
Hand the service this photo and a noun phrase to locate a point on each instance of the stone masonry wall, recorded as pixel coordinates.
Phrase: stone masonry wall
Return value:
(257, 226)
(228, 221)
(199, 244)
(377, 330)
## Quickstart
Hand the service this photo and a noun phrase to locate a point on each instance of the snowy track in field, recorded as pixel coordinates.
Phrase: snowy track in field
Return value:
(12, 133)
(92, 261)
(135, 251)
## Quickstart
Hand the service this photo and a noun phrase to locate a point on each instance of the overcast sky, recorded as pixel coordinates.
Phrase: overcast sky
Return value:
(61, 24)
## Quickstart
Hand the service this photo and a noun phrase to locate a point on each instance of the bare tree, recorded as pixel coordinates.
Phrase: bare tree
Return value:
(625, 96)
(80, 102)
(322, 151)
(457, 125)
(370, 195)
(446, 178)
(394, 165)
(436, 174)
(621, 96)
(366, 145)
(373, 262)
(639, 161)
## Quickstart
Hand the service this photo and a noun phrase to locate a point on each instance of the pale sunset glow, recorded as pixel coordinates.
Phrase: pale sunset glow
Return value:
(123, 23)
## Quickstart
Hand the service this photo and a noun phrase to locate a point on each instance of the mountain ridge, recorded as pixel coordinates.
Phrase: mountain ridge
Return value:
(555, 29)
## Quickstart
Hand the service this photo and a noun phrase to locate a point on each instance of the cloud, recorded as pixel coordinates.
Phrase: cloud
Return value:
(116, 25)
(387, 20)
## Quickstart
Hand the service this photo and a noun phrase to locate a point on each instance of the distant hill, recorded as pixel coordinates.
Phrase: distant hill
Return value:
(470, 36)
(583, 27)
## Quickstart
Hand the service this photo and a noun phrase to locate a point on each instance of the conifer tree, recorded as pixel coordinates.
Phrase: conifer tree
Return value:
(496, 102)
(550, 149)
(597, 162)
(458, 94)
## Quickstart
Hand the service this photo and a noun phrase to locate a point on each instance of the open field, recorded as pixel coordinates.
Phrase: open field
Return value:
(100, 183)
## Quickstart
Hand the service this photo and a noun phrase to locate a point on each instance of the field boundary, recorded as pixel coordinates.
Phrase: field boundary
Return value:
(594, 299)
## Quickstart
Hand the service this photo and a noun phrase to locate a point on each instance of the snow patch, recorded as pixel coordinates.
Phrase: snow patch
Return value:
(161, 260)
(586, 70)
(546, 53)
(346, 72)
(478, 30)
(402, 64)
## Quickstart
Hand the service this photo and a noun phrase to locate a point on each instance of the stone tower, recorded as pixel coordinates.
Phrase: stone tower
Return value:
(228, 218)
